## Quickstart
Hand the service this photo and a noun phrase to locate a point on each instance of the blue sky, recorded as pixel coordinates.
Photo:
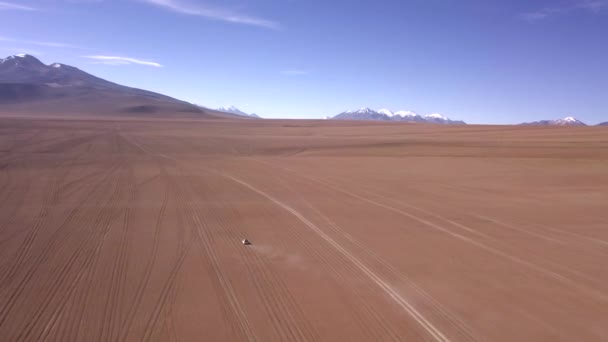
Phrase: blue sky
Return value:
(482, 61)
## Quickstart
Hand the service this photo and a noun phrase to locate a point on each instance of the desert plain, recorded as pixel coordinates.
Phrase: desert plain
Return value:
(131, 229)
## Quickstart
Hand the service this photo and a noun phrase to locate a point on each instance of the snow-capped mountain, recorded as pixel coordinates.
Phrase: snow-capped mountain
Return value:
(361, 114)
(407, 113)
(388, 115)
(567, 121)
(386, 112)
(28, 69)
(234, 110)
(436, 118)
(27, 82)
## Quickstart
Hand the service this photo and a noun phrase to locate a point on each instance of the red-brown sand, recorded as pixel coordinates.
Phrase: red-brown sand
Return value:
(130, 230)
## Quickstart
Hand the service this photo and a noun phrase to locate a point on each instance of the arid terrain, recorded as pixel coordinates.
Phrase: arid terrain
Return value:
(130, 230)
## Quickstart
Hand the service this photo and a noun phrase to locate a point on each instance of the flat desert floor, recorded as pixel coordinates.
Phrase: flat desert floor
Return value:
(130, 230)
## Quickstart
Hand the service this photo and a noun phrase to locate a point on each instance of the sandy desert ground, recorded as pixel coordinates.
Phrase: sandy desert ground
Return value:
(130, 230)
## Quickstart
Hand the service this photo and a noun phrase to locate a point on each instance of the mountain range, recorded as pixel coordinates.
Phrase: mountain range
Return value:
(234, 110)
(29, 86)
(387, 115)
(567, 121)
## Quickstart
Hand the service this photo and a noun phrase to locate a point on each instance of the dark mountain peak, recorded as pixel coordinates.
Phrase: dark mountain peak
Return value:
(22, 61)
(27, 82)
(22, 57)
(28, 69)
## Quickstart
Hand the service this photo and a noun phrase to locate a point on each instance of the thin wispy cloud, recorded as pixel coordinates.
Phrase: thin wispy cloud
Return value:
(16, 7)
(565, 7)
(221, 14)
(294, 72)
(116, 60)
(40, 43)
(541, 13)
(52, 44)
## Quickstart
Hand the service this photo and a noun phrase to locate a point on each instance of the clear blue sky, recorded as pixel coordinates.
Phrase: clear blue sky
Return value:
(482, 61)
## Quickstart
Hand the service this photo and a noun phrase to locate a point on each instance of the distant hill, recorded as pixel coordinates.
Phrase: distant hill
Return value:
(567, 121)
(234, 110)
(400, 116)
(603, 124)
(29, 86)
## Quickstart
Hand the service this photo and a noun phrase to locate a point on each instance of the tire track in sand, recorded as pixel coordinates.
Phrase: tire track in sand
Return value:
(499, 243)
(168, 288)
(205, 246)
(87, 270)
(205, 243)
(517, 260)
(151, 260)
(44, 255)
(112, 313)
(20, 190)
(285, 315)
(39, 221)
(375, 324)
(96, 236)
(460, 329)
(433, 331)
